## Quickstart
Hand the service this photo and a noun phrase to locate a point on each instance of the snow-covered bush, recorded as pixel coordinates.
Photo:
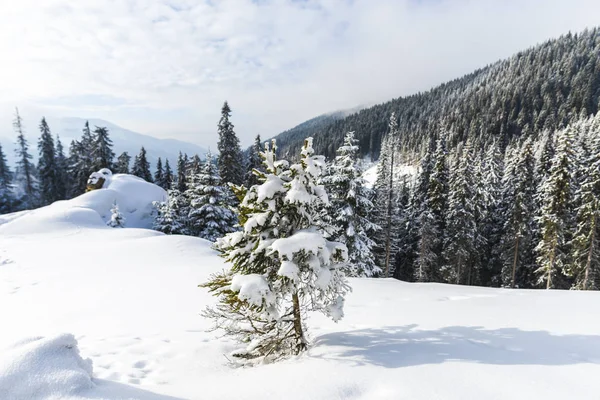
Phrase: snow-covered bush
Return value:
(282, 266)
(117, 220)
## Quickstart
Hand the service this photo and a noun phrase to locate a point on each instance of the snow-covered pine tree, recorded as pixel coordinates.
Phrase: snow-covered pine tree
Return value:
(432, 221)
(62, 167)
(384, 198)
(181, 173)
(168, 175)
(254, 162)
(416, 211)
(122, 164)
(516, 245)
(556, 214)
(402, 266)
(585, 265)
(117, 220)
(7, 201)
(209, 215)
(172, 214)
(101, 149)
(159, 175)
(488, 183)
(230, 161)
(281, 264)
(47, 168)
(462, 239)
(348, 210)
(381, 193)
(141, 166)
(25, 171)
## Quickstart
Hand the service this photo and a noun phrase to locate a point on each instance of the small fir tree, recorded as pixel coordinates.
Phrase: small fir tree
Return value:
(281, 264)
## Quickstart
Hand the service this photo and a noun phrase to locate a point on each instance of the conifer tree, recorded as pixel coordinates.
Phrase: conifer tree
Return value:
(117, 220)
(168, 175)
(80, 162)
(7, 201)
(122, 164)
(281, 264)
(172, 214)
(25, 172)
(102, 153)
(141, 166)
(47, 168)
(254, 162)
(432, 221)
(194, 167)
(209, 215)
(159, 175)
(77, 182)
(462, 239)
(489, 183)
(181, 173)
(384, 199)
(556, 214)
(62, 167)
(417, 207)
(230, 155)
(348, 210)
(516, 246)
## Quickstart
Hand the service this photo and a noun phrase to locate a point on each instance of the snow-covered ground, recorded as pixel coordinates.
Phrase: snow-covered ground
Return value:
(72, 289)
(370, 172)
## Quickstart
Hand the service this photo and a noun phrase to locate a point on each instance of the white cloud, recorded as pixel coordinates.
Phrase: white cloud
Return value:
(164, 67)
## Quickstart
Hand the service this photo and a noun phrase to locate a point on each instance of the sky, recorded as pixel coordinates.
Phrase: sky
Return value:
(165, 67)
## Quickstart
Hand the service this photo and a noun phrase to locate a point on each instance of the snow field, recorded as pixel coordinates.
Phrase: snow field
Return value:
(127, 299)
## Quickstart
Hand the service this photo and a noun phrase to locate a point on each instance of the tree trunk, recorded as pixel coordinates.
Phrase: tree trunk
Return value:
(550, 267)
(515, 258)
(298, 332)
(589, 257)
(389, 218)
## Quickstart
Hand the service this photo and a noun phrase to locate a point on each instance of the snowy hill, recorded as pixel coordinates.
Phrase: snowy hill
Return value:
(92, 312)
(123, 140)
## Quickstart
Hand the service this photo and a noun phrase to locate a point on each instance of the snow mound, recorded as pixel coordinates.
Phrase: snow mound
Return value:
(43, 368)
(133, 195)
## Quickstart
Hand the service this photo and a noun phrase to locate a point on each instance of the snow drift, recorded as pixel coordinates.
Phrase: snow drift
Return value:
(133, 195)
(43, 368)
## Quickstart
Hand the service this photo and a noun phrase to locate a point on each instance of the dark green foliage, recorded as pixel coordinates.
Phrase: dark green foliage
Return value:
(122, 164)
(536, 89)
(230, 155)
(101, 149)
(47, 167)
(141, 166)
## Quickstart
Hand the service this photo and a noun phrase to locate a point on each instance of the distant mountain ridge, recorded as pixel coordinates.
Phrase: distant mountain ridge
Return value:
(543, 87)
(123, 140)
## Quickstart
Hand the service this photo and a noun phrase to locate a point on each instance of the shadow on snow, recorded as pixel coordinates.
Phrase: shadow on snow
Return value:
(404, 346)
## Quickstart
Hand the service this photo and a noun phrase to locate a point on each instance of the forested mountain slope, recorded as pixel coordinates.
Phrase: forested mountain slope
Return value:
(543, 87)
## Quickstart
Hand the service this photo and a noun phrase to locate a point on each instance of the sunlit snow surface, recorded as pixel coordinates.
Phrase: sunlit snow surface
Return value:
(73, 289)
